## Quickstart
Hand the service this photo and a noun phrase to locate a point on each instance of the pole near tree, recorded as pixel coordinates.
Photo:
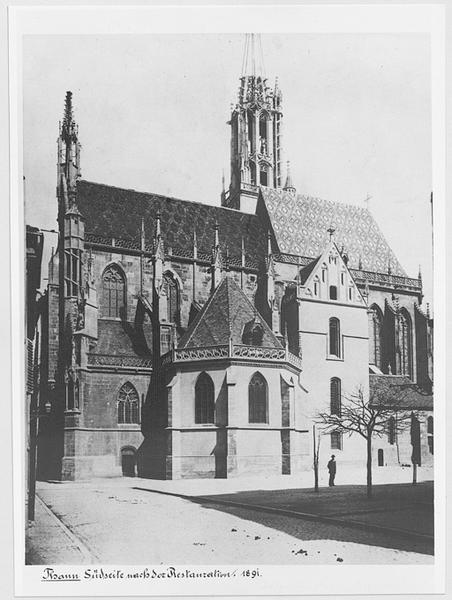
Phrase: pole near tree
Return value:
(316, 453)
(415, 432)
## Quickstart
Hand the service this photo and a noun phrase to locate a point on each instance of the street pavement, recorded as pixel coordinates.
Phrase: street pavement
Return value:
(141, 521)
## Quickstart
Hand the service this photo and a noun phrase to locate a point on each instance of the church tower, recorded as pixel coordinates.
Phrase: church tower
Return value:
(255, 133)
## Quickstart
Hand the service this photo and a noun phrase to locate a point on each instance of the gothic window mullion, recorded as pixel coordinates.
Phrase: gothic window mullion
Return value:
(113, 292)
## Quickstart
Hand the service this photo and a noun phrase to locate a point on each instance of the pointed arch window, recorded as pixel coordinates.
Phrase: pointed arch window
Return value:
(128, 404)
(204, 399)
(258, 399)
(171, 291)
(335, 337)
(113, 299)
(375, 335)
(405, 344)
(335, 396)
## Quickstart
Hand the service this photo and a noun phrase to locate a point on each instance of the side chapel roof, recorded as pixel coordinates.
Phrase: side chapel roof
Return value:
(224, 317)
(412, 396)
(300, 226)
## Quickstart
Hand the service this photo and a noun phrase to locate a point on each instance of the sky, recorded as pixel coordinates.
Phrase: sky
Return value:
(153, 110)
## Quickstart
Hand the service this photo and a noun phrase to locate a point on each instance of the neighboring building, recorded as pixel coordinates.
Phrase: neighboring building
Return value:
(187, 340)
(33, 354)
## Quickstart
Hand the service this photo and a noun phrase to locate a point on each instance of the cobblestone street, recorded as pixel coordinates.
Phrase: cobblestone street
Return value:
(138, 521)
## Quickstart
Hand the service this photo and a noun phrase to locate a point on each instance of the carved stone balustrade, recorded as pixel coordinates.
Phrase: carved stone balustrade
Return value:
(238, 352)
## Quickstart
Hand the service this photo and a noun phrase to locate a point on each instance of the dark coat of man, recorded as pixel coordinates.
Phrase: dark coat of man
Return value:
(332, 470)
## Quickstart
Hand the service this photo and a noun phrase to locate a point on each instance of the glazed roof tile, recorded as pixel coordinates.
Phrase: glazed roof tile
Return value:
(117, 212)
(300, 226)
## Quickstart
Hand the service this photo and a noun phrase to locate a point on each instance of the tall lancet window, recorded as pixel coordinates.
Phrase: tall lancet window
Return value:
(113, 299)
(335, 337)
(335, 396)
(172, 298)
(204, 399)
(73, 273)
(405, 344)
(375, 322)
(258, 399)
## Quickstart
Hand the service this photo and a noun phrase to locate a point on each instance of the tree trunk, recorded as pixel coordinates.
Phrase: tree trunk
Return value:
(369, 465)
(316, 462)
(414, 473)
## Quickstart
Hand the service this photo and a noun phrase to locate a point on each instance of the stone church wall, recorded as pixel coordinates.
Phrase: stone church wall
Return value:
(94, 448)
(233, 446)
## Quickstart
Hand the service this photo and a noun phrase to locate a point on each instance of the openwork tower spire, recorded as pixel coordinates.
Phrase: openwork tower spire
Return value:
(255, 132)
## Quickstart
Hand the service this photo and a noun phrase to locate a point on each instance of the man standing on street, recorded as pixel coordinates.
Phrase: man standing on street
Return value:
(332, 470)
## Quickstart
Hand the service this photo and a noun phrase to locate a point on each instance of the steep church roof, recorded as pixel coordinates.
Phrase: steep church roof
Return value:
(225, 316)
(115, 212)
(300, 226)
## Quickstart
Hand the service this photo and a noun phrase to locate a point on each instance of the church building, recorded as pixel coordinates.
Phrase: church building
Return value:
(185, 340)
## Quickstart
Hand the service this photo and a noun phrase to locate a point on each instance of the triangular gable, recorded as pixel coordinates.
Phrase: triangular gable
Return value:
(330, 279)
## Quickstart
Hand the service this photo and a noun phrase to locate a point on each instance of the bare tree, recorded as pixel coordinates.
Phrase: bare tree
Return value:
(386, 409)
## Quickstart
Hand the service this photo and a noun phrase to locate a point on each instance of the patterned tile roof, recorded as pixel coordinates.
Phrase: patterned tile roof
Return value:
(116, 212)
(223, 317)
(300, 226)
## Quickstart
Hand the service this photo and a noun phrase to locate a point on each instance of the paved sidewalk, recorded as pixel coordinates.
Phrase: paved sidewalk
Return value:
(49, 541)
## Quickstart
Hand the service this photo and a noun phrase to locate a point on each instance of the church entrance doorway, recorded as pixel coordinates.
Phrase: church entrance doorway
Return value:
(128, 462)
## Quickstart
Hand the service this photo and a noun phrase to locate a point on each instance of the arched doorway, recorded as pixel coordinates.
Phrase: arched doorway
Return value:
(128, 461)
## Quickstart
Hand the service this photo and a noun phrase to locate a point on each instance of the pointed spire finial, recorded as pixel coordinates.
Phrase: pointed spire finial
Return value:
(217, 239)
(269, 243)
(419, 276)
(157, 228)
(253, 58)
(289, 186)
(68, 109)
(331, 231)
(142, 235)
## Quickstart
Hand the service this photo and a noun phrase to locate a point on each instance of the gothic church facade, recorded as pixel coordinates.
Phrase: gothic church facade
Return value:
(189, 340)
